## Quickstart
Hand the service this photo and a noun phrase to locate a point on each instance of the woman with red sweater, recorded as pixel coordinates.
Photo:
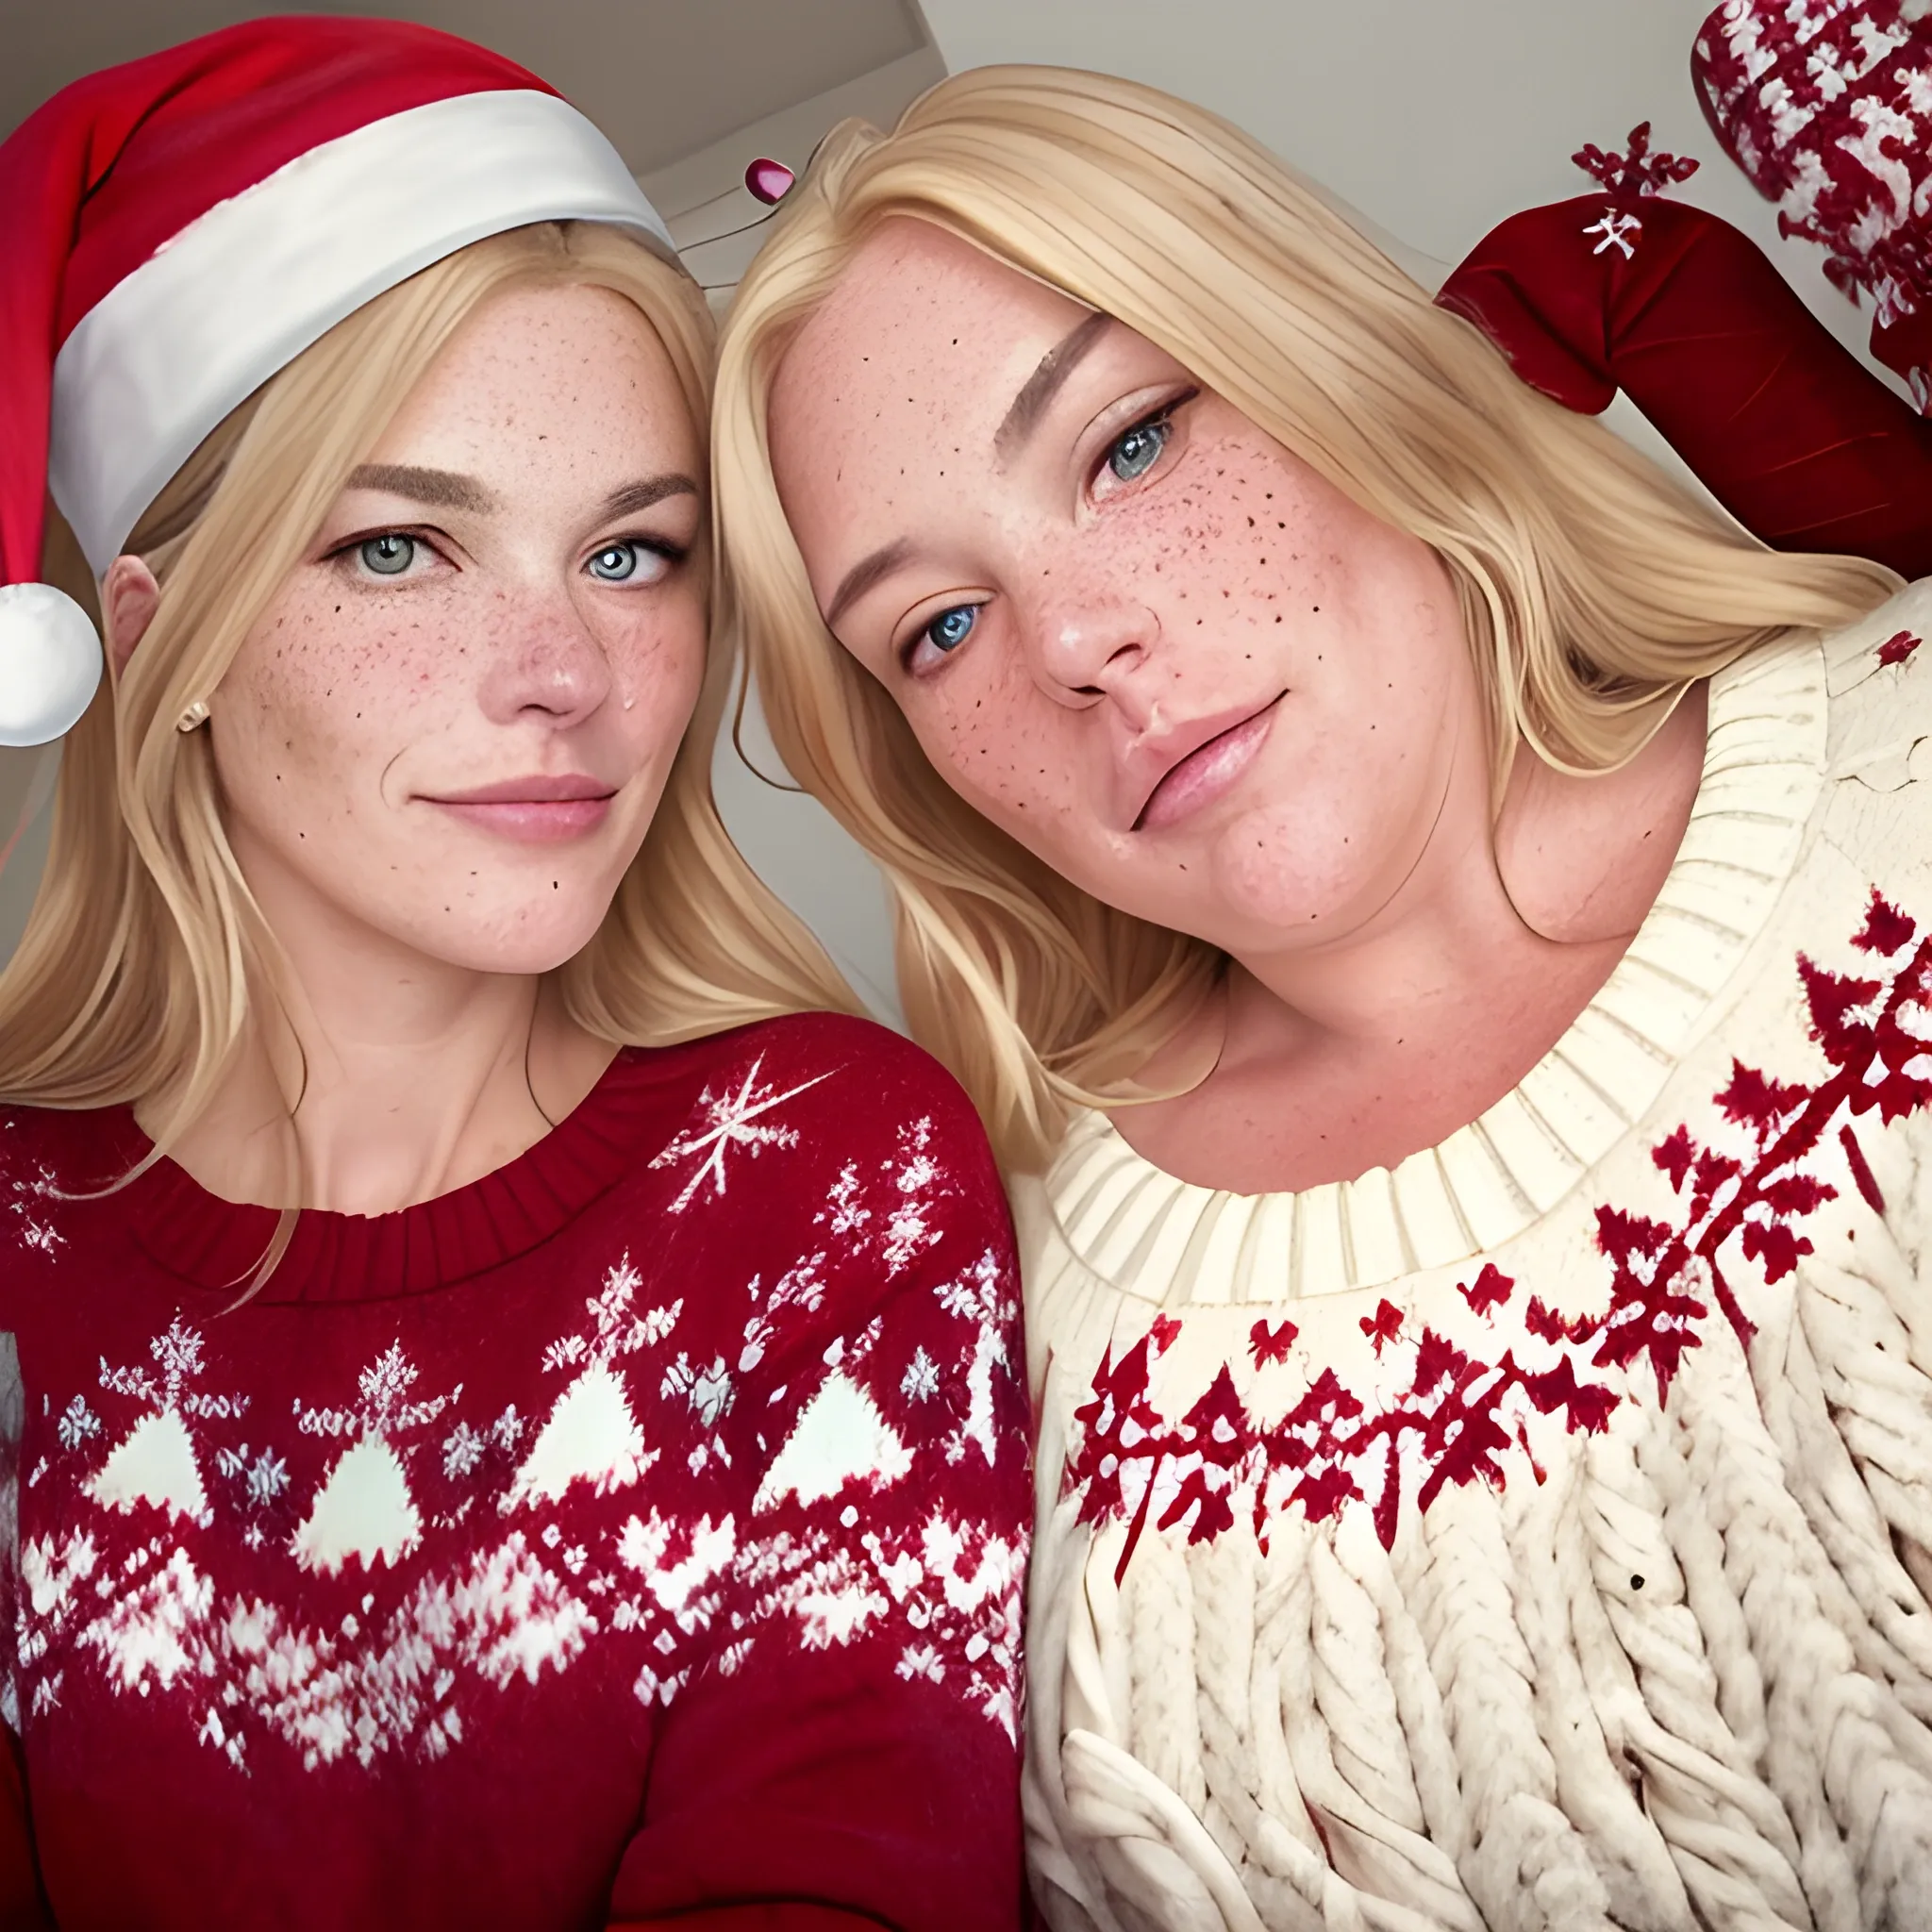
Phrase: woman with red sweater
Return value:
(508, 1419)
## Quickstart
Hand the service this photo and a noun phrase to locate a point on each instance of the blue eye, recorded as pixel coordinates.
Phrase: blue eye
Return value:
(387, 556)
(1139, 450)
(951, 629)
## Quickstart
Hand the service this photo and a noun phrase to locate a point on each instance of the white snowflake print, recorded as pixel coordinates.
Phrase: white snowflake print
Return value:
(949, 1592)
(843, 1212)
(38, 1232)
(977, 1296)
(907, 1229)
(364, 1509)
(593, 1434)
(155, 1464)
(462, 1450)
(728, 1120)
(615, 1329)
(268, 1476)
(709, 1391)
(331, 1693)
(384, 1410)
(921, 1382)
(801, 1286)
(178, 1355)
(1616, 229)
(79, 1423)
(263, 1478)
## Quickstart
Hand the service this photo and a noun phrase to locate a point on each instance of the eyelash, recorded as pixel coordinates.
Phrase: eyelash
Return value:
(1159, 418)
(673, 554)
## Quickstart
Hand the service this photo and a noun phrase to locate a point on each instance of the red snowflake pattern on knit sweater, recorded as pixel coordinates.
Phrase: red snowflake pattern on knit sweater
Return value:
(1460, 1412)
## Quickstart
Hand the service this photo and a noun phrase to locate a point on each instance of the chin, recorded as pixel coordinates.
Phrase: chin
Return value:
(522, 939)
(1280, 874)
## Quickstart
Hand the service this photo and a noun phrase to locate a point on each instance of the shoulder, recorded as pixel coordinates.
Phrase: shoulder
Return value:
(836, 1090)
(65, 1148)
(1878, 685)
(838, 1047)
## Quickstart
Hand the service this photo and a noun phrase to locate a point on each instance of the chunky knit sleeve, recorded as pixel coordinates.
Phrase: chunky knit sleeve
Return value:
(847, 1738)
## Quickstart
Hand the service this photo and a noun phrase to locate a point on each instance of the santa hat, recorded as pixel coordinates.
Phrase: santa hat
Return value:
(174, 231)
(1826, 105)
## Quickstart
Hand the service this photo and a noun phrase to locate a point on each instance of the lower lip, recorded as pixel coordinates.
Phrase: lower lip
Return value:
(532, 821)
(1203, 776)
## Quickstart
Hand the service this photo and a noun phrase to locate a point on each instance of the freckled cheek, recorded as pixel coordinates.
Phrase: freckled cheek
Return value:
(1223, 572)
(658, 672)
(314, 698)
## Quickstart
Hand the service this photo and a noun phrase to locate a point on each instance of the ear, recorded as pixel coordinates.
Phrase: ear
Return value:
(129, 598)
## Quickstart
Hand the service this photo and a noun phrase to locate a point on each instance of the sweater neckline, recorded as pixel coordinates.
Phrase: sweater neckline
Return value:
(1166, 1240)
(218, 1245)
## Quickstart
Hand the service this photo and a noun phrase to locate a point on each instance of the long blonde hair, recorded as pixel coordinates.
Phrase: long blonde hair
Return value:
(144, 952)
(1591, 588)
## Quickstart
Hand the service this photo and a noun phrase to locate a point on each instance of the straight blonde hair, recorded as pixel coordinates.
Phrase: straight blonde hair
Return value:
(1591, 588)
(144, 953)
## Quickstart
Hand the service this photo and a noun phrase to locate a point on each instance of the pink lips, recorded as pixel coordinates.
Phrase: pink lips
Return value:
(537, 810)
(1207, 771)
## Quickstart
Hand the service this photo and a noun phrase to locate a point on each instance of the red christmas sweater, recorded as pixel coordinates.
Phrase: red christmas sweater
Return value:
(638, 1529)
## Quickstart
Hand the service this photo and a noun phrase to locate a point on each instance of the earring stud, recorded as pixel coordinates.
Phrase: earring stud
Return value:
(194, 717)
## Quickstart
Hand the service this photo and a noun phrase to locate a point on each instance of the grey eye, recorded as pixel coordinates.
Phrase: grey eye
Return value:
(387, 556)
(1139, 450)
(615, 563)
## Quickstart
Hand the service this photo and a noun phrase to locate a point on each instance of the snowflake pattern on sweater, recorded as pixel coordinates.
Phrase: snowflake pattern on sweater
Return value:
(756, 1402)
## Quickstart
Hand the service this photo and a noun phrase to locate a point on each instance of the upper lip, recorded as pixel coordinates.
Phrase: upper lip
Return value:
(537, 790)
(1152, 756)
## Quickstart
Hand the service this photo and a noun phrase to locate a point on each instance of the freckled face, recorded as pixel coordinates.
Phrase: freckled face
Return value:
(1125, 624)
(454, 722)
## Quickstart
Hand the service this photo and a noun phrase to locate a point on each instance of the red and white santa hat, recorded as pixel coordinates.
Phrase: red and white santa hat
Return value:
(1826, 105)
(174, 231)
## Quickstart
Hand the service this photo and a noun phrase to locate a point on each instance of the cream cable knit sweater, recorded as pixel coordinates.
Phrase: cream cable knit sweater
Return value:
(1538, 1535)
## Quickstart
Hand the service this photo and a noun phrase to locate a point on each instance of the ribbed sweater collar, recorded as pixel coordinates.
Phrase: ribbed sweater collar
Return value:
(1154, 1236)
(216, 1244)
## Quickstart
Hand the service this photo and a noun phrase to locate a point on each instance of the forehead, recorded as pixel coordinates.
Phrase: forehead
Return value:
(530, 362)
(924, 335)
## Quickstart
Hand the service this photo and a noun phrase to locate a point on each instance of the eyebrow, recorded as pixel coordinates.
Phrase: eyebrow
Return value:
(863, 576)
(637, 497)
(1040, 389)
(438, 488)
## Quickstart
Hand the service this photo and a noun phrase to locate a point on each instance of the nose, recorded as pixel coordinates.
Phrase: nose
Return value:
(550, 667)
(1088, 647)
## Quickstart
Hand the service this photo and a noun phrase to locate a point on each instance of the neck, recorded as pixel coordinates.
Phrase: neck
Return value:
(1331, 1059)
(375, 1077)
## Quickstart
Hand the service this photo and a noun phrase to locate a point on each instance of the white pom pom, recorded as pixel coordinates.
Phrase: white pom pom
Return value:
(50, 662)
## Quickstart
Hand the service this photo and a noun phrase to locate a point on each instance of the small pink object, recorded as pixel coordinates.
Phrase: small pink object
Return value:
(1896, 649)
(770, 182)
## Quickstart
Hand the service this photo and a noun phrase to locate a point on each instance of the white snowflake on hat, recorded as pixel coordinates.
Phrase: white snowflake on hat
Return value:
(182, 227)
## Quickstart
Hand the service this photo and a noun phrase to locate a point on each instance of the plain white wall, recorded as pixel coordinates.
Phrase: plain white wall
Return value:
(1436, 118)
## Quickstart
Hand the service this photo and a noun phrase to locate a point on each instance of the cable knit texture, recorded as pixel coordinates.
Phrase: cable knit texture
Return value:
(1536, 1535)
(636, 1529)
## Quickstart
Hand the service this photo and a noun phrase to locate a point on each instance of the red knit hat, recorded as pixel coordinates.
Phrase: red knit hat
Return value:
(1826, 105)
(174, 231)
